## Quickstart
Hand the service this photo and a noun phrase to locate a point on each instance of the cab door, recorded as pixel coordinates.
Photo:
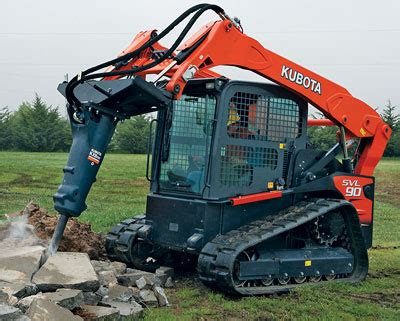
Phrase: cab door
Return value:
(258, 128)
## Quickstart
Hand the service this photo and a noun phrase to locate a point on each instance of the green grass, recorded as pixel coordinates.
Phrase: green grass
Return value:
(120, 192)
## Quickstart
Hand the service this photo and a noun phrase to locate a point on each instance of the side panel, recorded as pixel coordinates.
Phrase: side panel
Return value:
(175, 220)
(360, 192)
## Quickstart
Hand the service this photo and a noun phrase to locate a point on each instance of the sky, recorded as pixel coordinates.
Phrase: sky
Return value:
(354, 43)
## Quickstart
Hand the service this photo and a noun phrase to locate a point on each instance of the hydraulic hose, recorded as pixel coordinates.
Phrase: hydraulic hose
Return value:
(201, 8)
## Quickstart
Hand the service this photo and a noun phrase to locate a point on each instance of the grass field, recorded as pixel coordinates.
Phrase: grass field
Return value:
(120, 192)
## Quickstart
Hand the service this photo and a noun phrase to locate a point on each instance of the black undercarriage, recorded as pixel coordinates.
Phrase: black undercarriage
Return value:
(314, 241)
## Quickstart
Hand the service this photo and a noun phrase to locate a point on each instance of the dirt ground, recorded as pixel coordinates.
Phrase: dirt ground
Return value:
(78, 236)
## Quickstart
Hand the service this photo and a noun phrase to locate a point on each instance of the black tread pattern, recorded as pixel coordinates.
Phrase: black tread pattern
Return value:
(121, 238)
(217, 258)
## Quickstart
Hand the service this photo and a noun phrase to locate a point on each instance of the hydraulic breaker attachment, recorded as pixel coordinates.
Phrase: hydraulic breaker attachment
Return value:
(104, 103)
(90, 142)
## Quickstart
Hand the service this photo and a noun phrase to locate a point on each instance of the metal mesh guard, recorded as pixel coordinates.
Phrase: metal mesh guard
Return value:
(263, 118)
(238, 162)
(256, 118)
(189, 146)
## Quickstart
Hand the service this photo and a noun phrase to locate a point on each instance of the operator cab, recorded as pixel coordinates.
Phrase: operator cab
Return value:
(243, 133)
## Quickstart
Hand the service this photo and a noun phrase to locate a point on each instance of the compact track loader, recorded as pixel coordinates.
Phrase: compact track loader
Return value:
(235, 188)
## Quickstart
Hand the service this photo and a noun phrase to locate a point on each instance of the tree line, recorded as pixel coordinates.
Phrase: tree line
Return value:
(37, 127)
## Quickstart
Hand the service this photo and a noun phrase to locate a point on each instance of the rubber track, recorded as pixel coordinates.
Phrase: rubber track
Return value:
(217, 258)
(120, 239)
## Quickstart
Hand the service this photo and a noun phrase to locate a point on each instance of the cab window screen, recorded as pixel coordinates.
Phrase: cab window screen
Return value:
(263, 118)
(184, 169)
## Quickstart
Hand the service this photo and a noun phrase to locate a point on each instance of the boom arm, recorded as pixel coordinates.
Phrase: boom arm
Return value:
(223, 43)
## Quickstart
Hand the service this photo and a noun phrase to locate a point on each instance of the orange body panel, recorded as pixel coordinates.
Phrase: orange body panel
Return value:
(352, 189)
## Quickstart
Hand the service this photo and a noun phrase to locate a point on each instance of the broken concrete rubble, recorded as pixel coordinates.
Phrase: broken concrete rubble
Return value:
(19, 289)
(90, 298)
(147, 298)
(116, 267)
(6, 297)
(119, 293)
(130, 278)
(102, 291)
(148, 281)
(41, 309)
(16, 268)
(70, 286)
(165, 270)
(160, 295)
(26, 302)
(169, 283)
(71, 282)
(100, 313)
(66, 298)
(62, 274)
(67, 270)
(107, 278)
(132, 310)
(9, 313)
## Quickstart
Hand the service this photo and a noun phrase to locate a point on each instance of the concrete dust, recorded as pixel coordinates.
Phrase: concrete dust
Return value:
(16, 232)
(34, 226)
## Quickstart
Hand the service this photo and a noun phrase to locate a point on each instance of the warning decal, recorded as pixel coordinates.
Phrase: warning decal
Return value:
(94, 156)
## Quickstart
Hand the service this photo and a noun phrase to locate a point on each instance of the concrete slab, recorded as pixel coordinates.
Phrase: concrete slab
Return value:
(19, 263)
(129, 279)
(169, 283)
(41, 310)
(165, 270)
(131, 310)
(101, 313)
(16, 268)
(26, 302)
(102, 291)
(67, 270)
(147, 298)
(115, 267)
(90, 298)
(161, 296)
(119, 293)
(148, 281)
(4, 296)
(107, 278)
(9, 313)
(66, 298)
(19, 289)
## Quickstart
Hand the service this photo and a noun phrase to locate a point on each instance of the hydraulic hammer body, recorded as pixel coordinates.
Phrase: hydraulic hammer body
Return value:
(105, 103)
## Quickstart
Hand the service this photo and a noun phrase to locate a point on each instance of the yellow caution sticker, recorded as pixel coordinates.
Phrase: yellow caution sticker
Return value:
(270, 185)
(307, 263)
(363, 131)
(282, 146)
